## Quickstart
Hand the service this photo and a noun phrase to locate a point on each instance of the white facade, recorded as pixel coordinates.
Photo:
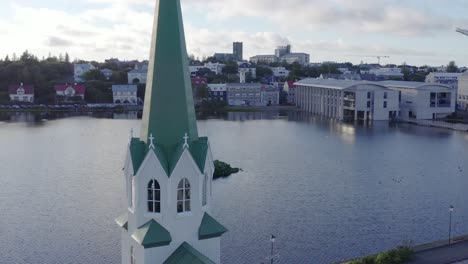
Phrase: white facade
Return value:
(183, 227)
(137, 76)
(264, 59)
(387, 73)
(80, 69)
(463, 91)
(270, 96)
(125, 94)
(347, 100)
(446, 78)
(107, 73)
(21, 95)
(421, 100)
(217, 68)
(301, 58)
(242, 94)
(280, 72)
(247, 70)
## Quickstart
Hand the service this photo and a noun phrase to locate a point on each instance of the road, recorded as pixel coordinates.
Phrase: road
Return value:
(454, 254)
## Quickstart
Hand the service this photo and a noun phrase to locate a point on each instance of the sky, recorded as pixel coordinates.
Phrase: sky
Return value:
(418, 32)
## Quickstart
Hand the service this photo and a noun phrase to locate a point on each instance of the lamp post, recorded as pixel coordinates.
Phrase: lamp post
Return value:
(272, 241)
(451, 209)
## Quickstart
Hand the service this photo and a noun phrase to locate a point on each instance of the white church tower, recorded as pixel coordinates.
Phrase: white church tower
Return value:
(169, 169)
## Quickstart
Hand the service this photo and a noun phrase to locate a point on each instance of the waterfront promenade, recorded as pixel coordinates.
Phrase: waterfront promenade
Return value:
(442, 253)
(438, 124)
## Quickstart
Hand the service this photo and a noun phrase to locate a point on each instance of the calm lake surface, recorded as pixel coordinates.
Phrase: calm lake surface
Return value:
(328, 191)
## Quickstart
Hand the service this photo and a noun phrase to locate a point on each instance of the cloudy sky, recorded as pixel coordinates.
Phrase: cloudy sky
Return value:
(414, 31)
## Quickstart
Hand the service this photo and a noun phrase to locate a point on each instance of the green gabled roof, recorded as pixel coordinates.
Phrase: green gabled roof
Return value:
(210, 228)
(152, 234)
(169, 111)
(122, 221)
(186, 254)
(198, 149)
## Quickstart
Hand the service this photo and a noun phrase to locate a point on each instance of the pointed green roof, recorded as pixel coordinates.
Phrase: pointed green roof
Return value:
(122, 221)
(198, 149)
(186, 254)
(210, 228)
(152, 234)
(169, 110)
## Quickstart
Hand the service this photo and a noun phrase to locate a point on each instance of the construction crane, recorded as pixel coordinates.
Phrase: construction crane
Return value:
(462, 31)
(379, 57)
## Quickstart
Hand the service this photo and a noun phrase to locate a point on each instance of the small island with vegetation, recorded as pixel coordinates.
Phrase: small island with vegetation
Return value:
(223, 170)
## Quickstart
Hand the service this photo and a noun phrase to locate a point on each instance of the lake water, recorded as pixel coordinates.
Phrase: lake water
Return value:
(328, 191)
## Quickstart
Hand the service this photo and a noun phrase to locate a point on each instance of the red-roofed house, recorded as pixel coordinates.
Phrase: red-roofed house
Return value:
(199, 81)
(291, 90)
(21, 93)
(69, 92)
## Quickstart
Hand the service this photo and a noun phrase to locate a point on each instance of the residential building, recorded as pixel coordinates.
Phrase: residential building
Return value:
(387, 73)
(301, 58)
(217, 92)
(343, 76)
(217, 67)
(198, 81)
(21, 93)
(224, 57)
(125, 94)
(193, 69)
(168, 170)
(80, 69)
(244, 94)
(280, 51)
(347, 100)
(107, 73)
(280, 72)
(345, 70)
(290, 89)
(463, 91)
(446, 78)
(137, 75)
(420, 100)
(246, 69)
(70, 92)
(264, 59)
(270, 95)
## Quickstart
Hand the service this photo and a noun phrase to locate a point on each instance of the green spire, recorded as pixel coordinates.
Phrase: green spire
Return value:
(169, 112)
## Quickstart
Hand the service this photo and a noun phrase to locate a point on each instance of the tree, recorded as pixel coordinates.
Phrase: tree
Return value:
(94, 75)
(67, 58)
(452, 67)
(231, 68)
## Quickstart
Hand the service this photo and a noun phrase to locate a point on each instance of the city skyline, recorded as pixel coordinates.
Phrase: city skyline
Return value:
(414, 32)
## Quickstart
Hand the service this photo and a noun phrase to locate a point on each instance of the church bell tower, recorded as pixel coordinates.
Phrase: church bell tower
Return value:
(169, 169)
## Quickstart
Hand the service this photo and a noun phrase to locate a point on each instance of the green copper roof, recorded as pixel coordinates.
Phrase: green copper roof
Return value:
(186, 254)
(122, 221)
(169, 111)
(198, 149)
(152, 234)
(210, 228)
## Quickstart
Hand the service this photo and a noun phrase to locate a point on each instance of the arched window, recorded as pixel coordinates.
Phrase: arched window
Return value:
(154, 197)
(132, 255)
(205, 189)
(183, 196)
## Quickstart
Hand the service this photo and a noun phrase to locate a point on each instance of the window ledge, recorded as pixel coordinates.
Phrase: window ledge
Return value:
(183, 215)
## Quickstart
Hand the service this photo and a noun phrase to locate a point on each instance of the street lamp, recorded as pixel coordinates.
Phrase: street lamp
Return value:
(451, 209)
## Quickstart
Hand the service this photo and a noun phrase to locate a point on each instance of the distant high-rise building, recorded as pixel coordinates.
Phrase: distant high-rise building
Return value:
(282, 50)
(238, 50)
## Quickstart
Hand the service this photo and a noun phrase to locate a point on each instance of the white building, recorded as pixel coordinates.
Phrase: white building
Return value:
(137, 76)
(280, 72)
(463, 91)
(244, 94)
(347, 100)
(446, 78)
(107, 73)
(420, 100)
(264, 59)
(21, 93)
(125, 94)
(193, 69)
(387, 73)
(168, 171)
(217, 67)
(301, 58)
(80, 69)
(270, 96)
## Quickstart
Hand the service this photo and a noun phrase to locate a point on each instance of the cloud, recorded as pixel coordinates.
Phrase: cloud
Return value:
(58, 42)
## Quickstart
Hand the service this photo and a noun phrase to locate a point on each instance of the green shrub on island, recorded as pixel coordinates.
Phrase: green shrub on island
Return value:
(223, 170)
(400, 255)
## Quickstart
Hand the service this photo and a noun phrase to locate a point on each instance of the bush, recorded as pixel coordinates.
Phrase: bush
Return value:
(400, 255)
